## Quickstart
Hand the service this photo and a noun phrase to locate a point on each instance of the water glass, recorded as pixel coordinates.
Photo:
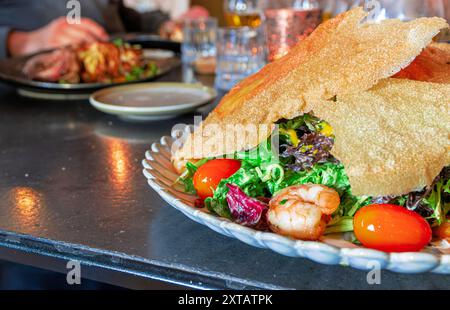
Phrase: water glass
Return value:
(287, 23)
(199, 39)
(240, 53)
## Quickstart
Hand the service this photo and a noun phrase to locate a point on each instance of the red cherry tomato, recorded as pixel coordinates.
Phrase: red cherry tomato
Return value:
(391, 228)
(209, 175)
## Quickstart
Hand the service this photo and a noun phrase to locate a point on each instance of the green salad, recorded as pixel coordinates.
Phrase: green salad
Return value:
(304, 158)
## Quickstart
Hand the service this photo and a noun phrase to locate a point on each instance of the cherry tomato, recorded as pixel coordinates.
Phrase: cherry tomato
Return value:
(443, 231)
(391, 228)
(209, 175)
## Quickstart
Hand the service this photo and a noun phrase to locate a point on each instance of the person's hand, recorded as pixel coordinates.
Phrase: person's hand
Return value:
(195, 12)
(56, 34)
(172, 29)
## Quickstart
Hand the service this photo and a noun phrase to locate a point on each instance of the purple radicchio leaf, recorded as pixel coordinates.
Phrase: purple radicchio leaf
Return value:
(313, 148)
(244, 209)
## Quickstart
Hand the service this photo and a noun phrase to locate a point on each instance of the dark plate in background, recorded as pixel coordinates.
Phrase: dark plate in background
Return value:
(151, 41)
(11, 72)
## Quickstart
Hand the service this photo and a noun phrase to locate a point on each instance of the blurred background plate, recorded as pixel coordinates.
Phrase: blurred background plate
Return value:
(156, 53)
(11, 72)
(150, 41)
(152, 101)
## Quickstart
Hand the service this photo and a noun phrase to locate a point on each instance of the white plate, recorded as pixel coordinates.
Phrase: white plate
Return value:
(152, 101)
(331, 250)
(153, 53)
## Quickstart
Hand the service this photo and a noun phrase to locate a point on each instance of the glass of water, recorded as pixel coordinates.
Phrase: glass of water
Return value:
(240, 53)
(199, 39)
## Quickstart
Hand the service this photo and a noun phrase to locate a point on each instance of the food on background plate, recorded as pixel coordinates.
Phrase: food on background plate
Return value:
(99, 62)
(59, 65)
(352, 139)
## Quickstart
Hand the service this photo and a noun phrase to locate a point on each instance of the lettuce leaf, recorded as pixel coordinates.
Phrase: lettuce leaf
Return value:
(437, 201)
(247, 179)
(431, 203)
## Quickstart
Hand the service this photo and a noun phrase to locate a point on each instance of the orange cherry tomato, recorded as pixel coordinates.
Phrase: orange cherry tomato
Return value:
(208, 176)
(443, 231)
(391, 228)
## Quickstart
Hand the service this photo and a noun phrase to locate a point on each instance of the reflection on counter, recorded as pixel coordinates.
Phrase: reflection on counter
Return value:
(119, 155)
(28, 205)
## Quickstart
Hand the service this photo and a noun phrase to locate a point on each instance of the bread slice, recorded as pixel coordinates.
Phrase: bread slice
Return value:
(392, 139)
(341, 56)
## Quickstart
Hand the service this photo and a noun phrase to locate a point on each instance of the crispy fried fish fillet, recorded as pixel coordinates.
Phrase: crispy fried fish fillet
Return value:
(432, 65)
(392, 139)
(340, 56)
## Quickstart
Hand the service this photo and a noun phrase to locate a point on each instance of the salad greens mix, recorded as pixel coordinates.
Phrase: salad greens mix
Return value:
(304, 157)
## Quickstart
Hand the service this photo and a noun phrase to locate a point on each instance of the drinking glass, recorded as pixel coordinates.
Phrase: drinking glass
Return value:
(240, 53)
(242, 13)
(199, 39)
(288, 22)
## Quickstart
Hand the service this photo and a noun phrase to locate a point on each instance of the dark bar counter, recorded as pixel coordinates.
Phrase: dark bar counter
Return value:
(71, 188)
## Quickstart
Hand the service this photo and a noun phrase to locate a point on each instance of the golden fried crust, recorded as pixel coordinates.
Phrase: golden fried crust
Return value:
(392, 139)
(432, 65)
(340, 56)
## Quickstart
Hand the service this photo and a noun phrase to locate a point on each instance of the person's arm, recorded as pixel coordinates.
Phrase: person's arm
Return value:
(135, 21)
(54, 35)
(153, 21)
(172, 29)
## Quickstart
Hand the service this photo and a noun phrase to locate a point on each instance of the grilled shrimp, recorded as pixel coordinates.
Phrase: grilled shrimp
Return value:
(301, 211)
